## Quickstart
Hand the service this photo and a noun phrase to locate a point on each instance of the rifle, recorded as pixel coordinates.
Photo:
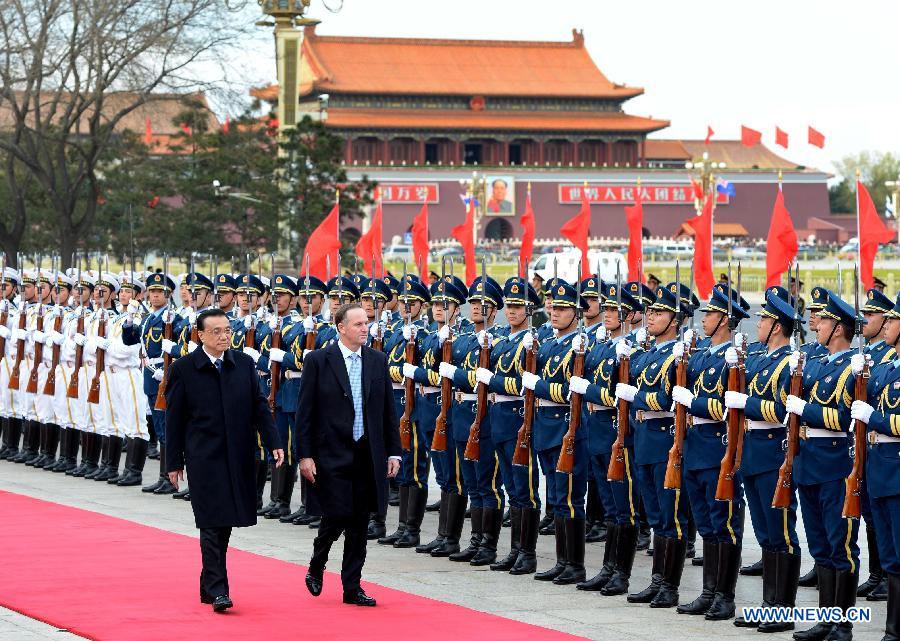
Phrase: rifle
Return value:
(20, 343)
(72, 390)
(274, 368)
(473, 444)
(310, 335)
(566, 462)
(250, 334)
(94, 392)
(737, 374)
(378, 339)
(409, 385)
(783, 488)
(160, 403)
(439, 440)
(32, 385)
(672, 480)
(4, 314)
(195, 332)
(50, 384)
(616, 471)
(522, 455)
(857, 474)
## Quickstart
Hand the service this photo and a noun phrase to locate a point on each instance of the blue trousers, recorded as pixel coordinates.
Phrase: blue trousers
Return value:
(414, 462)
(520, 481)
(481, 479)
(775, 529)
(886, 517)
(566, 492)
(831, 537)
(666, 512)
(619, 498)
(284, 422)
(717, 521)
(159, 421)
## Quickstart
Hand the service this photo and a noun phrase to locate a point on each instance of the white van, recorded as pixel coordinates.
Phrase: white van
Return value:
(567, 265)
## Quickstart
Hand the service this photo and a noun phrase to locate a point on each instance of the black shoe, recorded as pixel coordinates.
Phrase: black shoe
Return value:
(417, 497)
(545, 527)
(697, 561)
(391, 538)
(433, 507)
(222, 603)
(166, 487)
(376, 530)
(810, 579)
(282, 509)
(643, 540)
(153, 451)
(515, 538)
(358, 597)
(597, 533)
(880, 593)
(180, 494)
(574, 572)
(659, 565)
(314, 583)
(826, 578)
(559, 567)
(289, 518)
(491, 525)
(454, 520)
(315, 523)
(754, 569)
(667, 597)
(526, 561)
(702, 603)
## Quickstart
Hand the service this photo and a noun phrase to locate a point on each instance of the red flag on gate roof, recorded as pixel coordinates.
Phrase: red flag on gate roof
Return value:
(703, 228)
(465, 234)
(871, 231)
(697, 188)
(816, 138)
(420, 242)
(781, 137)
(576, 230)
(750, 137)
(323, 242)
(781, 246)
(369, 245)
(634, 216)
(527, 221)
(709, 134)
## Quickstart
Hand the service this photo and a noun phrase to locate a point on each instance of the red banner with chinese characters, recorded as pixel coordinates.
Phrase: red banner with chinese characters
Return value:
(419, 193)
(668, 194)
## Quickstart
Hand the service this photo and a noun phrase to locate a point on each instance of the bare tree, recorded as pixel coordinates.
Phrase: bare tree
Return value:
(72, 70)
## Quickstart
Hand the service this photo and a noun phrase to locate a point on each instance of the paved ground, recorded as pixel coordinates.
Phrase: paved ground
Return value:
(522, 598)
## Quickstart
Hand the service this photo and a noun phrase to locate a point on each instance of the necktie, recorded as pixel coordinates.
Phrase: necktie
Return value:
(354, 372)
(219, 364)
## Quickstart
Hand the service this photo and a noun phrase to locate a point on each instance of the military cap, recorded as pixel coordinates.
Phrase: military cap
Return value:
(244, 282)
(630, 300)
(29, 276)
(160, 281)
(666, 299)
(110, 280)
(11, 275)
(641, 292)
(87, 280)
(316, 286)
(549, 286)
(877, 282)
(198, 281)
(393, 282)
(819, 298)
(458, 282)
(284, 284)
(65, 281)
(359, 280)
(895, 310)
(718, 302)
(132, 281)
(225, 283)
(778, 308)
(876, 302)
(839, 310)
(654, 278)
(46, 276)
(447, 290)
(782, 293)
(413, 289)
(590, 286)
(348, 288)
(564, 295)
(516, 291)
(489, 290)
(381, 288)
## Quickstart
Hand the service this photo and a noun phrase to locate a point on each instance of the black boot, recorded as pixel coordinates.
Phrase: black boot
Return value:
(113, 459)
(574, 572)
(4, 432)
(892, 626)
(104, 459)
(844, 598)
(560, 566)
(826, 579)
(546, 525)
(729, 564)
(880, 593)
(701, 604)
(769, 563)
(466, 555)
(515, 535)
(626, 547)
(285, 491)
(129, 454)
(38, 459)
(376, 528)
(274, 490)
(54, 434)
(393, 493)
(149, 489)
(66, 436)
(262, 474)
(135, 475)
(876, 573)
(165, 487)
(13, 436)
(596, 583)
(810, 579)
(526, 562)
(754, 569)
(690, 550)
(667, 597)
(415, 512)
(442, 526)
(91, 456)
(456, 518)
(401, 525)
(30, 443)
(85, 441)
(644, 536)
(788, 573)
(491, 524)
(656, 577)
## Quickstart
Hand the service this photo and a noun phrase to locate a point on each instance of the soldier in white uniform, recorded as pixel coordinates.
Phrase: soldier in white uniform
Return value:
(11, 418)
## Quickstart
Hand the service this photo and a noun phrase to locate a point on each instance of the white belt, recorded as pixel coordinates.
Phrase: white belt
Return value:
(398, 385)
(876, 438)
(816, 432)
(594, 407)
(542, 403)
(645, 416)
(762, 425)
(427, 389)
(154, 361)
(501, 398)
(462, 397)
(697, 420)
(291, 374)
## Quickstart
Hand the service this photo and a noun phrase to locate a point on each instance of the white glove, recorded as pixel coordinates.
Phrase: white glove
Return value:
(81, 339)
(169, 347)
(529, 380)
(739, 340)
(731, 356)
(688, 336)
(641, 335)
(252, 353)
(192, 317)
(309, 324)
(682, 395)
(678, 349)
(735, 400)
(407, 332)
(483, 375)
(191, 347)
(447, 370)
(795, 405)
(276, 355)
(4, 331)
(481, 337)
(102, 343)
(248, 321)
(20, 334)
(444, 334)
(373, 330)
(861, 411)
(56, 338)
(90, 347)
(166, 315)
(158, 374)
(528, 340)
(600, 334)
(626, 392)
(578, 341)
(409, 370)
(857, 363)
(274, 322)
(385, 316)
(623, 349)
(794, 361)
(578, 385)
(307, 352)
(40, 337)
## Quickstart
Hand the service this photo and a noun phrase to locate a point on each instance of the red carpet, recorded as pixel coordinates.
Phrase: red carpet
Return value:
(113, 580)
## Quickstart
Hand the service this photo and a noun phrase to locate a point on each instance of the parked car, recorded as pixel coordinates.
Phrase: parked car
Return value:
(399, 252)
(565, 264)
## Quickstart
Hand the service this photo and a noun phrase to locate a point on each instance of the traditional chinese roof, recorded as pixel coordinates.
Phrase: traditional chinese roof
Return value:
(727, 230)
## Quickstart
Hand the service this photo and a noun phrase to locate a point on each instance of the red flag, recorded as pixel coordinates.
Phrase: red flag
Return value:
(466, 236)
(872, 233)
(148, 131)
(816, 138)
(576, 231)
(750, 137)
(634, 216)
(697, 189)
(369, 244)
(527, 221)
(703, 267)
(153, 202)
(185, 128)
(323, 242)
(420, 242)
(781, 138)
(227, 126)
(709, 134)
(781, 247)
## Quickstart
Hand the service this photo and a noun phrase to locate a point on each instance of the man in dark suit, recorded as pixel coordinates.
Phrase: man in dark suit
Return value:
(215, 409)
(348, 445)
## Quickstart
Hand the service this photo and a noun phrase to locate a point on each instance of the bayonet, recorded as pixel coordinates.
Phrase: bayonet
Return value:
(857, 318)
(730, 305)
(484, 314)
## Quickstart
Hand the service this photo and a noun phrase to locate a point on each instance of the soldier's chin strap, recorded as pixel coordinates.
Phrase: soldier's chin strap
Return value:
(719, 324)
(673, 320)
(769, 335)
(831, 334)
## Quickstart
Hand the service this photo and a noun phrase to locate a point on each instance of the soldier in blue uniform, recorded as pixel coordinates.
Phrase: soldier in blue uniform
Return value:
(768, 374)
(651, 399)
(823, 463)
(225, 294)
(600, 419)
(339, 293)
(719, 523)
(882, 476)
(818, 302)
(565, 492)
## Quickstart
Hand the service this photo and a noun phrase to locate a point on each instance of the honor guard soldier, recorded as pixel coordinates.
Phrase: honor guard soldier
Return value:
(823, 463)
(12, 418)
(813, 349)
(651, 399)
(768, 374)
(225, 294)
(393, 304)
(341, 290)
(565, 492)
(601, 367)
(882, 417)
(55, 389)
(545, 330)
(246, 317)
(413, 476)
